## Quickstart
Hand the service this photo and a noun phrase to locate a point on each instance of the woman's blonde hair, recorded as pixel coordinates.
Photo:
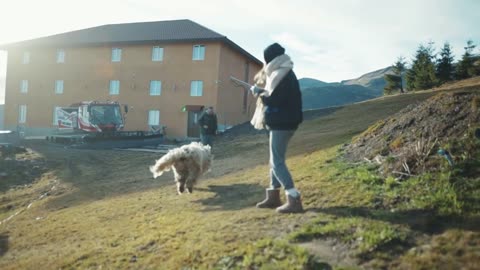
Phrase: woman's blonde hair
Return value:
(261, 77)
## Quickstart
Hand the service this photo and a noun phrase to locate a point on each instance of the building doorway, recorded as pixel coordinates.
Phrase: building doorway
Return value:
(194, 112)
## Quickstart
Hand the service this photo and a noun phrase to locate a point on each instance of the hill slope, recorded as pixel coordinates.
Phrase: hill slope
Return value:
(373, 80)
(102, 209)
(439, 119)
(318, 94)
(328, 96)
(309, 82)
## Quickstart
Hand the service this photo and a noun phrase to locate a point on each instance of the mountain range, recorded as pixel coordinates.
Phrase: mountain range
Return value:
(319, 94)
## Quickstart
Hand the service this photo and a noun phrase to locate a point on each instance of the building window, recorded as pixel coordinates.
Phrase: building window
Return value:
(116, 55)
(26, 58)
(198, 52)
(153, 117)
(24, 86)
(157, 53)
(114, 87)
(155, 88)
(55, 115)
(59, 87)
(60, 56)
(22, 114)
(196, 88)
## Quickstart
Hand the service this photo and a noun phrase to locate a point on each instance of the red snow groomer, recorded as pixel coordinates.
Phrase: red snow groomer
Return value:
(91, 116)
(95, 124)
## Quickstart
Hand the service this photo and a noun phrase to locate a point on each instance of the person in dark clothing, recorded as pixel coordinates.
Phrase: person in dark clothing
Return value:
(208, 126)
(279, 110)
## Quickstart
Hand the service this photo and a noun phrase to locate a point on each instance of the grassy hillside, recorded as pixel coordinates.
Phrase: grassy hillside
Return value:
(318, 94)
(373, 80)
(309, 82)
(102, 209)
(327, 96)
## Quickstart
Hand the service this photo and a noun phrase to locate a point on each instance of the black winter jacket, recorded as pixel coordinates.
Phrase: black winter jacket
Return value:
(284, 106)
(209, 120)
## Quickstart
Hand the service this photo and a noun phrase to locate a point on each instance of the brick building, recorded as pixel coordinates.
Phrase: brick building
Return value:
(164, 71)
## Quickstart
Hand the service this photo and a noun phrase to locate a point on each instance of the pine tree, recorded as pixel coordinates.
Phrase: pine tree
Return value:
(422, 74)
(445, 69)
(466, 67)
(394, 81)
(410, 78)
(399, 68)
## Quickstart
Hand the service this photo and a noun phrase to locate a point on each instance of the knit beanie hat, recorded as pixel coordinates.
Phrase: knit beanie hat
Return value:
(272, 51)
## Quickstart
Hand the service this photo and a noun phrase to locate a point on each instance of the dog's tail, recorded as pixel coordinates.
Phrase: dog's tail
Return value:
(166, 162)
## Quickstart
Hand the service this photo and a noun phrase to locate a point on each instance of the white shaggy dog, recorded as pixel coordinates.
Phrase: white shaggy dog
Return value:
(189, 162)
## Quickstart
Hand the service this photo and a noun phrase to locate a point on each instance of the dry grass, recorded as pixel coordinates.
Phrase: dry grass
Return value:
(113, 222)
(107, 212)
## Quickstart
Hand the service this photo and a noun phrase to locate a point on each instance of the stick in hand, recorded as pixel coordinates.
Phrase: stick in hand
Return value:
(241, 83)
(255, 90)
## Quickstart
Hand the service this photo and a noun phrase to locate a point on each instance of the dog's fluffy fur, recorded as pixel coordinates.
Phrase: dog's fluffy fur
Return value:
(189, 162)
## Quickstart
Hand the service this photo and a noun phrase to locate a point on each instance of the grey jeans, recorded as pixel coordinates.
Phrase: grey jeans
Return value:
(279, 174)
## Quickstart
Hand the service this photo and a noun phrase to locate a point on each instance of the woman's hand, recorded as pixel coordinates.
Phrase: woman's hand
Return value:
(256, 90)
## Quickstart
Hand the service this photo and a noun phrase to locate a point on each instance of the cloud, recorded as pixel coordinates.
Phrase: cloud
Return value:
(333, 39)
(297, 44)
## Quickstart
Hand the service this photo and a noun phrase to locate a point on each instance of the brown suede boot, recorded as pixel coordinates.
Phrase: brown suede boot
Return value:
(272, 200)
(293, 205)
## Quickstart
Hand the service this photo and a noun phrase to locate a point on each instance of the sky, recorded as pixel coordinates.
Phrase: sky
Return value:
(327, 40)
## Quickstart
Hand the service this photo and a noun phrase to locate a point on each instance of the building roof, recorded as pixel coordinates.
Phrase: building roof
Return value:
(131, 33)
